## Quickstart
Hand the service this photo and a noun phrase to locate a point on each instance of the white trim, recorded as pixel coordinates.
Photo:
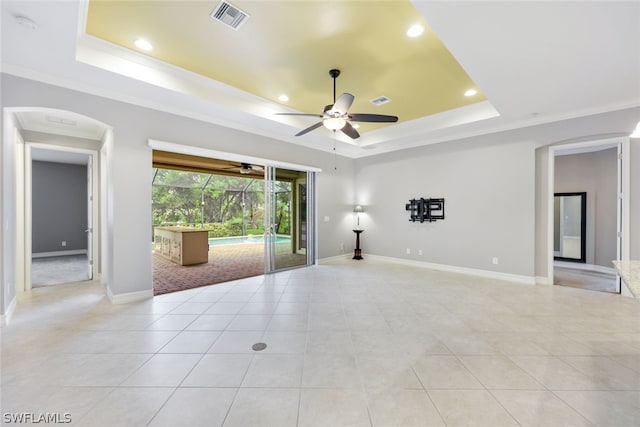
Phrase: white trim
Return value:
(334, 258)
(517, 278)
(541, 280)
(223, 155)
(129, 296)
(59, 253)
(6, 317)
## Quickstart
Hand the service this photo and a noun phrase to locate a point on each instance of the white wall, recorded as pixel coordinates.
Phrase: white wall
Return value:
(488, 189)
(129, 171)
(8, 274)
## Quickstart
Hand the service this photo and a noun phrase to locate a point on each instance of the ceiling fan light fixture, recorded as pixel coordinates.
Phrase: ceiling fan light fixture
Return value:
(334, 123)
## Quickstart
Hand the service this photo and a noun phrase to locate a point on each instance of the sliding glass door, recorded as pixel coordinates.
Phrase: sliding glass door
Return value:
(289, 218)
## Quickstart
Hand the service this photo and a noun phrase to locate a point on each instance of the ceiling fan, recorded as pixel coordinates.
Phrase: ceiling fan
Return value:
(245, 168)
(336, 116)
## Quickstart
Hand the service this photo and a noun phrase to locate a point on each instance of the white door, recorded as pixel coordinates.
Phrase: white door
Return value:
(89, 229)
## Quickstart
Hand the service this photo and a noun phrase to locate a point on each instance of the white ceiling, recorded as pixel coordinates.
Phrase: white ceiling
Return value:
(536, 62)
(60, 156)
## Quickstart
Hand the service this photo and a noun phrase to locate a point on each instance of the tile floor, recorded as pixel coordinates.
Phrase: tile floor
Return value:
(348, 344)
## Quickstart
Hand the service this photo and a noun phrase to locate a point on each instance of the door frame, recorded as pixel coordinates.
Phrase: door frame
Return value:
(623, 207)
(25, 209)
(270, 216)
(311, 171)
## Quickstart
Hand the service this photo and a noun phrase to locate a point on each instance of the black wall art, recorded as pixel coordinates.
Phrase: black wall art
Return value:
(429, 210)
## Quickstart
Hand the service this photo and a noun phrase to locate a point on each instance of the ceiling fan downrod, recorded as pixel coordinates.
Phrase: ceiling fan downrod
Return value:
(334, 73)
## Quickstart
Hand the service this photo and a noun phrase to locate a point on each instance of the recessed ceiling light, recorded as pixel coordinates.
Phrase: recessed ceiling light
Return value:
(283, 98)
(415, 30)
(470, 92)
(143, 44)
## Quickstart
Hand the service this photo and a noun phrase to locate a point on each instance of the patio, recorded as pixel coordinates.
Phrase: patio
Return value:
(226, 263)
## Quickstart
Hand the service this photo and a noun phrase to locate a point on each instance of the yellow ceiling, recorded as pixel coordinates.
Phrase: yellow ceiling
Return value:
(288, 47)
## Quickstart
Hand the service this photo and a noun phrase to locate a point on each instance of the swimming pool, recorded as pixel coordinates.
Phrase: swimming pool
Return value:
(218, 241)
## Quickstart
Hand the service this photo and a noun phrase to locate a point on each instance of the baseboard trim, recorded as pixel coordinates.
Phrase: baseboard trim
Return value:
(6, 317)
(59, 253)
(333, 258)
(543, 280)
(526, 280)
(129, 296)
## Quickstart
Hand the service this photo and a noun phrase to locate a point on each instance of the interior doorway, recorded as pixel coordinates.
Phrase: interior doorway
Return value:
(60, 214)
(588, 215)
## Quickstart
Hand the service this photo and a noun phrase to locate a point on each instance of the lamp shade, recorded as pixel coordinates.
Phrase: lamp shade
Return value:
(358, 209)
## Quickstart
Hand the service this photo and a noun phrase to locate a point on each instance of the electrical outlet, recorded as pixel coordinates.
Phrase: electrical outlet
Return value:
(419, 251)
(64, 243)
(408, 251)
(342, 247)
(494, 260)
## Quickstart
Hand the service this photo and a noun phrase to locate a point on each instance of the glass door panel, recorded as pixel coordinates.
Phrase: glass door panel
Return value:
(289, 234)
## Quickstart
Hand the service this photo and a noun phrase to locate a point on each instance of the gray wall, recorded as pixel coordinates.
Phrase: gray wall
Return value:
(59, 207)
(489, 204)
(595, 173)
(128, 171)
(492, 186)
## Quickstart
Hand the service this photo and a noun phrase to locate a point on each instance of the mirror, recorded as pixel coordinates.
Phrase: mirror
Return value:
(570, 225)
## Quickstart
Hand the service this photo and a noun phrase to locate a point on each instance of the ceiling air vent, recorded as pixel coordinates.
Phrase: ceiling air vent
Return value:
(229, 15)
(381, 100)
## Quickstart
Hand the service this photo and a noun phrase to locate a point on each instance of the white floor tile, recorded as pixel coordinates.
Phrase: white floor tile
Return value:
(444, 372)
(348, 343)
(538, 408)
(330, 370)
(470, 408)
(191, 342)
(218, 370)
(397, 407)
(499, 372)
(195, 407)
(605, 408)
(210, 322)
(163, 370)
(274, 370)
(127, 407)
(264, 408)
(333, 408)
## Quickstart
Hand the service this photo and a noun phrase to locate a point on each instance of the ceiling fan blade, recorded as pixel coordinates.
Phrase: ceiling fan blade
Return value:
(343, 103)
(350, 131)
(299, 114)
(309, 129)
(372, 118)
